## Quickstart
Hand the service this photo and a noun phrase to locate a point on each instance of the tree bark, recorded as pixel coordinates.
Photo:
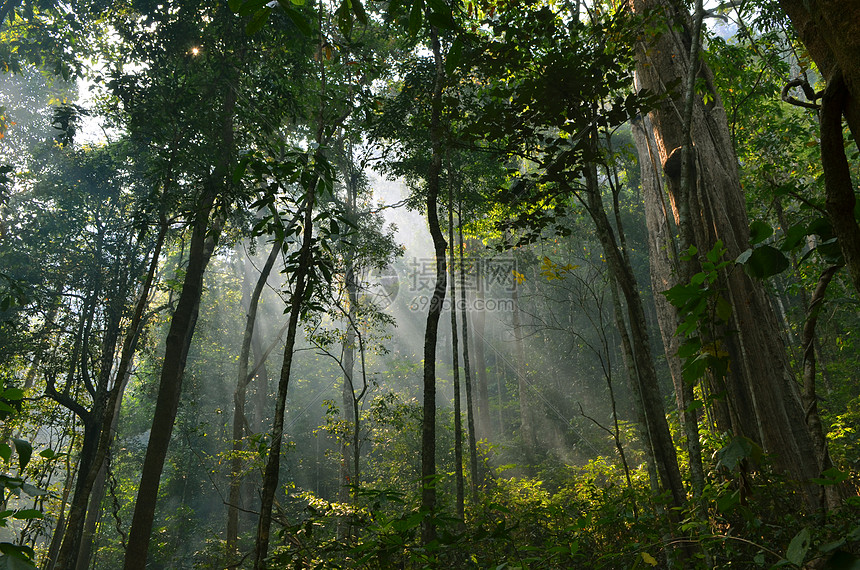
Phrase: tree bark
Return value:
(765, 403)
(428, 424)
(831, 493)
(203, 239)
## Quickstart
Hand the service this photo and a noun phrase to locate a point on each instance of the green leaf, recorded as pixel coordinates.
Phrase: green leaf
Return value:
(416, 17)
(759, 231)
(798, 547)
(455, 54)
(726, 503)
(344, 18)
(249, 7)
(16, 557)
(24, 449)
(12, 394)
(234, 5)
(5, 452)
(296, 17)
(681, 294)
(27, 514)
(739, 448)
(763, 262)
(832, 476)
(258, 21)
(724, 309)
(794, 237)
(358, 10)
(821, 227)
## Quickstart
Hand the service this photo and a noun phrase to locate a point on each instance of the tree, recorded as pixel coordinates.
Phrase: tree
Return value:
(763, 403)
(830, 32)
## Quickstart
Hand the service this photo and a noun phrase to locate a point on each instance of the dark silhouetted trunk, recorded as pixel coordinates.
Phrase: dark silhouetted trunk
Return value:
(428, 424)
(622, 272)
(467, 369)
(203, 238)
(273, 462)
(455, 361)
(239, 397)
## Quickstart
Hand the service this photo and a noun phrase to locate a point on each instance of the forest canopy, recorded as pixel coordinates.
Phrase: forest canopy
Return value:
(427, 283)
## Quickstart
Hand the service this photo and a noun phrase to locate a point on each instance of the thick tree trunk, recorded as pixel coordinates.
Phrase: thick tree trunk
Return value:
(760, 390)
(428, 424)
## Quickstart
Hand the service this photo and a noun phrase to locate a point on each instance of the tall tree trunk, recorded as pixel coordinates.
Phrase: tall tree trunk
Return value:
(479, 322)
(273, 462)
(114, 405)
(635, 388)
(203, 238)
(526, 427)
(455, 360)
(621, 270)
(428, 424)
(100, 424)
(470, 408)
(239, 418)
(831, 493)
(759, 385)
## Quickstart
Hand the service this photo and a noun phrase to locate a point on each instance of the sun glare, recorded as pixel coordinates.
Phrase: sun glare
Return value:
(195, 50)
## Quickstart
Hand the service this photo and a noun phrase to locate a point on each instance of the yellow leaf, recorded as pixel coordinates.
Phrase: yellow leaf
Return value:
(648, 559)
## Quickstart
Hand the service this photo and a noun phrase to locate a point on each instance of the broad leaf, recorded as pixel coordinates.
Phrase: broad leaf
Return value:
(759, 231)
(24, 449)
(798, 547)
(763, 262)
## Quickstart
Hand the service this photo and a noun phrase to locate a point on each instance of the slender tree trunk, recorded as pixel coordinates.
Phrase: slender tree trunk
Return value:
(470, 409)
(178, 342)
(428, 425)
(526, 427)
(621, 270)
(239, 419)
(455, 359)
(70, 551)
(759, 384)
(833, 499)
(349, 467)
(635, 383)
(273, 463)
(479, 320)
